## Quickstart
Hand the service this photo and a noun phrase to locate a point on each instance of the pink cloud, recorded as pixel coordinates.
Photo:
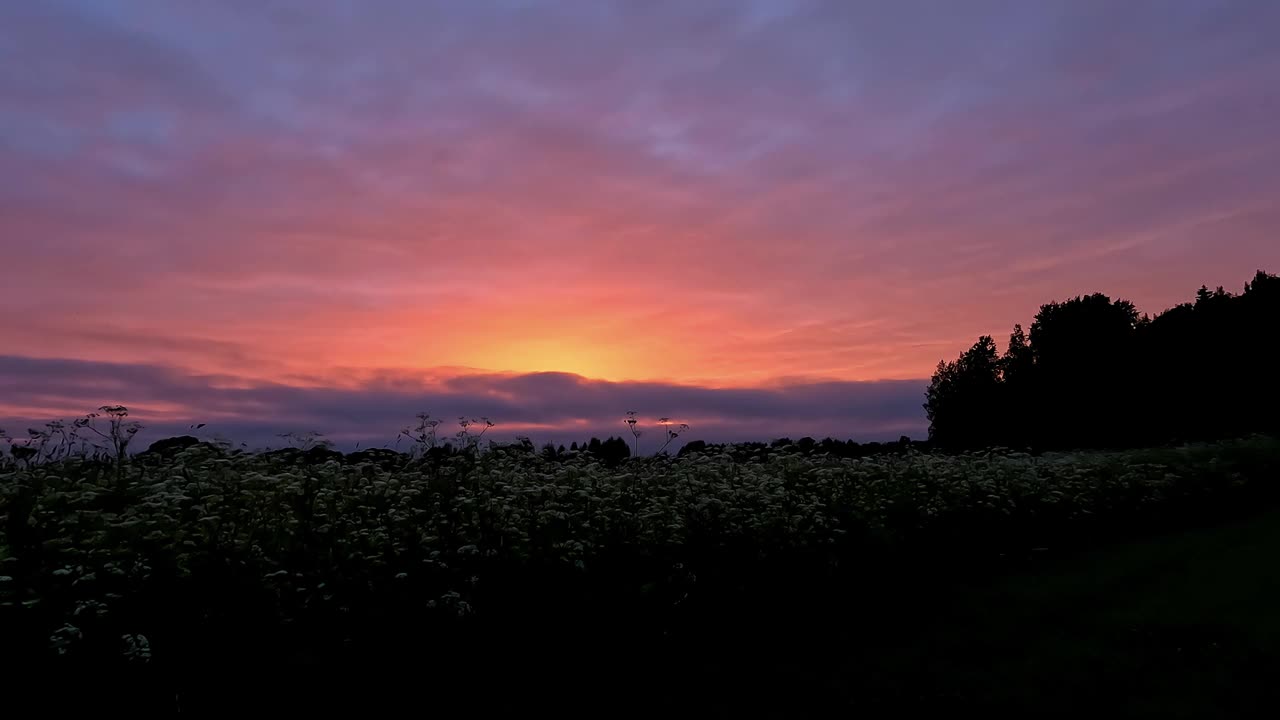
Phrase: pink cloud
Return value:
(704, 196)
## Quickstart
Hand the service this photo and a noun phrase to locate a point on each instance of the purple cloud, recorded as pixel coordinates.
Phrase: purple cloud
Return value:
(549, 407)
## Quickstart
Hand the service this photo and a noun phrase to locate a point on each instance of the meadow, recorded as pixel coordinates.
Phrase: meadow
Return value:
(174, 562)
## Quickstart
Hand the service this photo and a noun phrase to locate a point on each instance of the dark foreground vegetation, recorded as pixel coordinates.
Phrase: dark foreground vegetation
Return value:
(206, 577)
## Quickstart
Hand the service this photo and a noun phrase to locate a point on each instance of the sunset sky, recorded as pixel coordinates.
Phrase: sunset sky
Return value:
(762, 218)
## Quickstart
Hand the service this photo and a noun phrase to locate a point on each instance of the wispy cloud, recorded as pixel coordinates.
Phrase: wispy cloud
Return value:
(719, 193)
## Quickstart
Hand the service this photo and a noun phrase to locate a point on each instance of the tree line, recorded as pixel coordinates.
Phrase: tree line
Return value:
(1092, 372)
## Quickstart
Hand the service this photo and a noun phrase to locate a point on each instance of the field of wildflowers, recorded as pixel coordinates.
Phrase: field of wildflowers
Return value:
(143, 561)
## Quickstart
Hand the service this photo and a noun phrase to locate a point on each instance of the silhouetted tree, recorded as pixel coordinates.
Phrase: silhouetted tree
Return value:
(1082, 351)
(1017, 396)
(1092, 372)
(962, 400)
(611, 452)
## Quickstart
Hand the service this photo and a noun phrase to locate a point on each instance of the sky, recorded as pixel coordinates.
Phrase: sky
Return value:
(760, 218)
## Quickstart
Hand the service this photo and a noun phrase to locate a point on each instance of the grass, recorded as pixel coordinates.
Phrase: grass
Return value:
(1179, 625)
